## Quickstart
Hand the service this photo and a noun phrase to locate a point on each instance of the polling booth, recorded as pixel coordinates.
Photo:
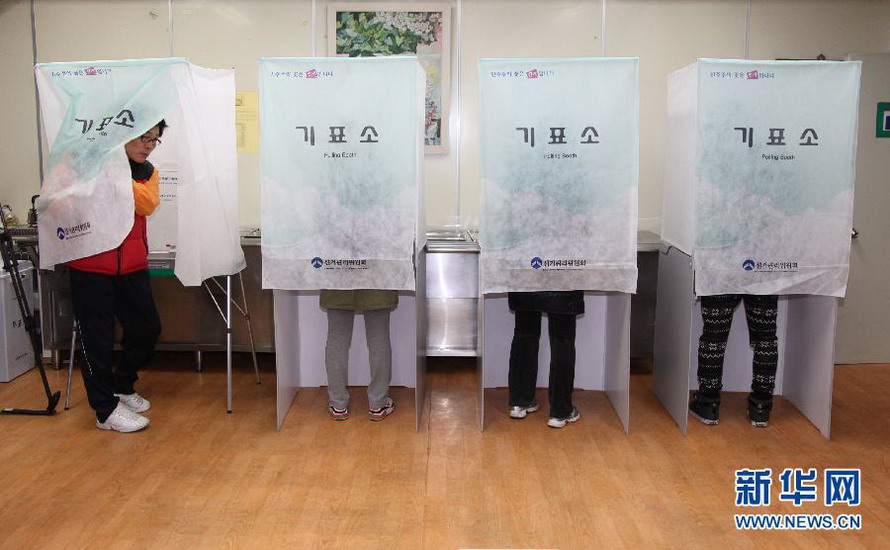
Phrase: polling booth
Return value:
(90, 109)
(341, 194)
(560, 164)
(758, 199)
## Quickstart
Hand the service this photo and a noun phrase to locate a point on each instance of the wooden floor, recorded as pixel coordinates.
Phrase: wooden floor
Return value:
(201, 478)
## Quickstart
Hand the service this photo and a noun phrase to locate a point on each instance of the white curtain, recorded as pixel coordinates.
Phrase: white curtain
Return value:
(341, 139)
(90, 110)
(775, 162)
(208, 238)
(560, 168)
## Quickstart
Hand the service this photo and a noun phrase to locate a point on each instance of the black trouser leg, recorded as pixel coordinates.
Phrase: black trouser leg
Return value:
(761, 313)
(136, 311)
(523, 374)
(716, 314)
(562, 363)
(93, 297)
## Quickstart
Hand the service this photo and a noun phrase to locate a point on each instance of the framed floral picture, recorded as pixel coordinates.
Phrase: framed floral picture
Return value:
(370, 29)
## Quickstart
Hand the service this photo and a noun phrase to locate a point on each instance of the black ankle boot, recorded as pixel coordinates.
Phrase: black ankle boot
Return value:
(705, 408)
(759, 409)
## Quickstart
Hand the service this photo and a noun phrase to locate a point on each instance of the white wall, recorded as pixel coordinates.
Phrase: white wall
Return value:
(666, 35)
(806, 28)
(236, 33)
(862, 316)
(19, 163)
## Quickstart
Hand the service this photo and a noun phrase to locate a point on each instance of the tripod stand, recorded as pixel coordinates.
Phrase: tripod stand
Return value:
(10, 264)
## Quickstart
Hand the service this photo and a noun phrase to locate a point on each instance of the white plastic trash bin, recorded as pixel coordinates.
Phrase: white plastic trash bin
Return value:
(16, 355)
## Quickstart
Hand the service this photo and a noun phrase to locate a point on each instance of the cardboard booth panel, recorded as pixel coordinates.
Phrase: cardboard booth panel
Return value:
(673, 333)
(809, 368)
(420, 333)
(805, 331)
(602, 348)
(306, 350)
(287, 352)
(590, 344)
(678, 214)
(616, 379)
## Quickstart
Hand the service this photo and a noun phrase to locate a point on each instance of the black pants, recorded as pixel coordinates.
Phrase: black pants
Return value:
(98, 300)
(524, 360)
(760, 312)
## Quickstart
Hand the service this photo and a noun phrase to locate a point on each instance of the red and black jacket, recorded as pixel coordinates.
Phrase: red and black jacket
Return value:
(132, 254)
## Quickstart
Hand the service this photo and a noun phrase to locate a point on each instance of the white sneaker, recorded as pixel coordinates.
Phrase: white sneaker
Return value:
(521, 412)
(134, 402)
(381, 412)
(560, 422)
(123, 420)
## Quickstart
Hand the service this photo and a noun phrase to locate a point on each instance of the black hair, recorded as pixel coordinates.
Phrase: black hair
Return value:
(161, 125)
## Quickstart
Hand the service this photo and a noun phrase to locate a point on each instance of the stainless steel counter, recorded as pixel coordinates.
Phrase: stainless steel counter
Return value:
(452, 293)
(452, 277)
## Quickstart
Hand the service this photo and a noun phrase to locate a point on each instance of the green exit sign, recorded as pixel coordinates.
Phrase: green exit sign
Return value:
(882, 122)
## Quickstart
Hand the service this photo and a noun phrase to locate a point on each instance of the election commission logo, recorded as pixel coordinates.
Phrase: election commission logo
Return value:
(74, 231)
(557, 263)
(329, 263)
(783, 266)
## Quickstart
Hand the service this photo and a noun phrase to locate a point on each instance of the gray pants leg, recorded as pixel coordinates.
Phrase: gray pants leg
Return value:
(336, 356)
(380, 356)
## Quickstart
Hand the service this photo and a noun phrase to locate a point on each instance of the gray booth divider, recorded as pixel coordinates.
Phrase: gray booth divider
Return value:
(806, 328)
(602, 344)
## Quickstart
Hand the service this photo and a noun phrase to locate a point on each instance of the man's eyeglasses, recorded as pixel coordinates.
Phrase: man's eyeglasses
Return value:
(150, 140)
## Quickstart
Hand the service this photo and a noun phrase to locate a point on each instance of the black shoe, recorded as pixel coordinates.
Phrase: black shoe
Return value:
(758, 411)
(705, 409)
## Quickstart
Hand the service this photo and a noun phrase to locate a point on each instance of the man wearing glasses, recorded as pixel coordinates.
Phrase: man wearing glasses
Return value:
(115, 284)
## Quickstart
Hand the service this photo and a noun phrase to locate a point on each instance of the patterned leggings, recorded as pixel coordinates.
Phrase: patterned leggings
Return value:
(760, 312)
